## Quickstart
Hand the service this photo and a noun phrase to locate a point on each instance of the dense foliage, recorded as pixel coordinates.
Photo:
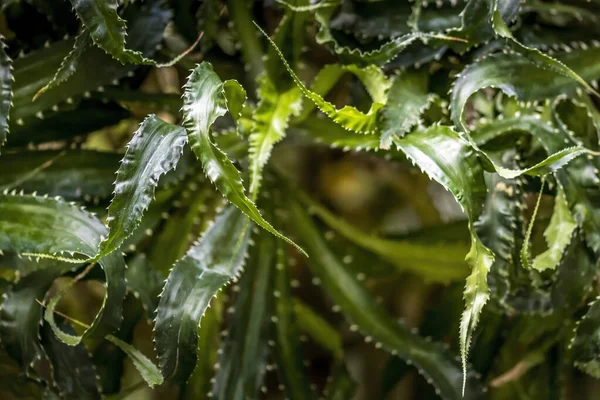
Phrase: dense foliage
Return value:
(225, 199)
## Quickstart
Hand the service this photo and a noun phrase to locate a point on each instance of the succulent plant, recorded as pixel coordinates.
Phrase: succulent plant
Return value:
(224, 199)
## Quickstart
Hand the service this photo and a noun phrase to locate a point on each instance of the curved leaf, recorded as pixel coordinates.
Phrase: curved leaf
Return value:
(449, 159)
(210, 264)
(244, 353)
(204, 102)
(6, 93)
(145, 367)
(517, 76)
(153, 151)
(373, 322)
(30, 224)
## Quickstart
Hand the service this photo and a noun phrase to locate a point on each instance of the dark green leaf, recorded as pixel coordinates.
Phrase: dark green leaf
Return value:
(242, 363)
(153, 151)
(195, 279)
(373, 322)
(585, 345)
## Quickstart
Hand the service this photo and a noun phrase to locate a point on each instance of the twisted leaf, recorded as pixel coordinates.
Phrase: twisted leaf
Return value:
(210, 264)
(153, 151)
(204, 101)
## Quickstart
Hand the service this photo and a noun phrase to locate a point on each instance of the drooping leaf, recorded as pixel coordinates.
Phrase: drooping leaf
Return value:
(558, 234)
(373, 322)
(270, 124)
(585, 345)
(451, 161)
(242, 362)
(408, 97)
(208, 266)
(288, 349)
(70, 63)
(204, 102)
(40, 225)
(153, 151)
(6, 92)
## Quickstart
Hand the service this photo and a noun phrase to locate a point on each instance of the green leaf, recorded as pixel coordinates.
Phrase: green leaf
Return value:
(585, 344)
(289, 36)
(408, 98)
(517, 76)
(153, 151)
(318, 329)
(373, 322)
(33, 71)
(551, 164)
(199, 384)
(558, 234)
(195, 279)
(449, 159)
(288, 349)
(145, 367)
(144, 282)
(341, 386)
(244, 352)
(348, 117)
(379, 56)
(270, 124)
(537, 57)
(73, 371)
(204, 102)
(20, 314)
(6, 93)
(437, 263)
(72, 174)
(40, 225)
(70, 62)
(107, 29)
